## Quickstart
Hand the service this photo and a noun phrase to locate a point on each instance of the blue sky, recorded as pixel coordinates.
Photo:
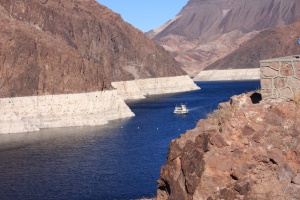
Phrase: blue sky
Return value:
(145, 14)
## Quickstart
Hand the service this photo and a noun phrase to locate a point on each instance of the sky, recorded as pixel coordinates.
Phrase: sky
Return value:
(145, 14)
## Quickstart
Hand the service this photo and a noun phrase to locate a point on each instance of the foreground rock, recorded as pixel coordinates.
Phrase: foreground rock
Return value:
(244, 150)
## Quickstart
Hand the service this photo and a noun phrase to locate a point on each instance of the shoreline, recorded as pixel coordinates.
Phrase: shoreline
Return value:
(32, 113)
(229, 75)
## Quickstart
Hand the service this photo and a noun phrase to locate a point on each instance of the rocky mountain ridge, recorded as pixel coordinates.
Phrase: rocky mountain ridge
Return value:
(271, 43)
(207, 30)
(248, 149)
(72, 46)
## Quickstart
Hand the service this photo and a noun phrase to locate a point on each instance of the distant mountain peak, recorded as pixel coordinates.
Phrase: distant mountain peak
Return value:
(220, 22)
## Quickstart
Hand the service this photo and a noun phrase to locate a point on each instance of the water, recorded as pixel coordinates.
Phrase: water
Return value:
(118, 161)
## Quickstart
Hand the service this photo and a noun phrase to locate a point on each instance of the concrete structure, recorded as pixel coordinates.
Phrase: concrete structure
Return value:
(26, 114)
(228, 75)
(137, 89)
(280, 78)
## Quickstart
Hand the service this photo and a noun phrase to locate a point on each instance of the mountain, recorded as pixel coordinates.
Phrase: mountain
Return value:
(207, 30)
(72, 46)
(271, 43)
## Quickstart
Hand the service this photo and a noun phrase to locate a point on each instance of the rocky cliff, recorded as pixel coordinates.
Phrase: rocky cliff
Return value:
(207, 30)
(271, 43)
(245, 150)
(72, 46)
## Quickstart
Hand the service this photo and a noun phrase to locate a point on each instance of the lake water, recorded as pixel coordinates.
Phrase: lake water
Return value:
(120, 160)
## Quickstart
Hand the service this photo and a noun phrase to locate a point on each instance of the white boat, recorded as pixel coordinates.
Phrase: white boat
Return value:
(182, 109)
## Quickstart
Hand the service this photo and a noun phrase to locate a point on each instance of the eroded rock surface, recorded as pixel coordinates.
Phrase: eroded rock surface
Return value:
(72, 46)
(207, 30)
(245, 150)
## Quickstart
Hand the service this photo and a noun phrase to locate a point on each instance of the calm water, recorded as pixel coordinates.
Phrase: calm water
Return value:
(118, 161)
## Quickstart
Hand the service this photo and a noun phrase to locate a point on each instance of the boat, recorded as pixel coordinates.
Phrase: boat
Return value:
(181, 109)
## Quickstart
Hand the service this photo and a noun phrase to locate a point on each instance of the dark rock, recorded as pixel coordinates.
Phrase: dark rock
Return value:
(247, 130)
(242, 187)
(218, 141)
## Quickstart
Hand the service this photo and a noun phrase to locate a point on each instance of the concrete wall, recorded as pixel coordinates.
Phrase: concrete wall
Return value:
(229, 74)
(137, 89)
(26, 114)
(280, 78)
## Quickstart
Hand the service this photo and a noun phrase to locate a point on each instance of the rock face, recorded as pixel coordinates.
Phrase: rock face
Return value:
(244, 150)
(275, 42)
(207, 30)
(72, 46)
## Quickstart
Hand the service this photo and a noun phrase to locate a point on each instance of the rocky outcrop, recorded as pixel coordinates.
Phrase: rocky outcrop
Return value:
(72, 46)
(138, 89)
(228, 74)
(207, 30)
(245, 150)
(27, 114)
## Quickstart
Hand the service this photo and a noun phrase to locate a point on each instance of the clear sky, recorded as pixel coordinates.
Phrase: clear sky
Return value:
(145, 14)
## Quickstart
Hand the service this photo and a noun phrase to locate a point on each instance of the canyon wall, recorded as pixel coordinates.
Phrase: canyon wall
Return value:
(137, 89)
(229, 74)
(57, 55)
(26, 114)
(72, 46)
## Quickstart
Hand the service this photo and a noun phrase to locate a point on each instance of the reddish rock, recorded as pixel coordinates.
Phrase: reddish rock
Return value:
(258, 160)
(293, 82)
(275, 155)
(247, 131)
(266, 83)
(297, 65)
(287, 69)
(268, 72)
(275, 65)
(287, 93)
(218, 141)
(279, 82)
(296, 179)
(72, 46)
(242, 187)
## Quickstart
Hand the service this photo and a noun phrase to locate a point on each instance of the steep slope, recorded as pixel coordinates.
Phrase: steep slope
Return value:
(275, 42)
(207, 30)
(72, 46)
(244, 150)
